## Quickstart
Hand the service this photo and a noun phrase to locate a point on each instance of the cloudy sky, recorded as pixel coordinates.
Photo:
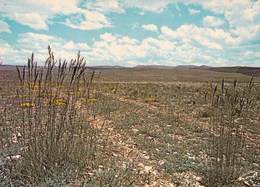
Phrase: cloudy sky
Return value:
(132, 32)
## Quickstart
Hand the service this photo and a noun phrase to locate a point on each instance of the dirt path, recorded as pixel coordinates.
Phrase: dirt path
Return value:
(125, 147)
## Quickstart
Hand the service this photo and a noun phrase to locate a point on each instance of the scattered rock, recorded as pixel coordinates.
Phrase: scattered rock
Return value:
(14, 157)
(251, 179)
(148, 169)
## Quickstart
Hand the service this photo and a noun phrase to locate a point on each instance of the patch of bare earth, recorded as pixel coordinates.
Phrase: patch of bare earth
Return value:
(148, 169)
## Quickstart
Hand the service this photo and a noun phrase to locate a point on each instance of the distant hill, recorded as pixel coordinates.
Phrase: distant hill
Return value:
(8, 67)
(153, 67)
(171, 67)
(191, 67)
(250, 71)
(104, 67)
(202, 67)
(13, 67)
(185, 67)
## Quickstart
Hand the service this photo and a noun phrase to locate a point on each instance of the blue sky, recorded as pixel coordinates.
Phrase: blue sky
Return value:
(132, 32)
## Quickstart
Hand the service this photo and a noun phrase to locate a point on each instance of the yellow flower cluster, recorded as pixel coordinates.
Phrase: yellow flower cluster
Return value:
(58, 102)
(74, 93)
(27, 104)
(150, 99)
(55, 102)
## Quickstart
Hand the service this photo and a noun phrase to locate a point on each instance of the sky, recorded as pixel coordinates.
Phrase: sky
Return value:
(132, 32)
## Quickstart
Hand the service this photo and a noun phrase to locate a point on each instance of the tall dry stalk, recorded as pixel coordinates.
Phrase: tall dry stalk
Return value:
(231, 106)
(51, 127)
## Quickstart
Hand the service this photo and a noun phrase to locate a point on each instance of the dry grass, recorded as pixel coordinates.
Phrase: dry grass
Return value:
(62, 125)
(42, 125)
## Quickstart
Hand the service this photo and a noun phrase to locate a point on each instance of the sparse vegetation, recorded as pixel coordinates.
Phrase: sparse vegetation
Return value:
(63, 125)
(232, 107)
(47, 126)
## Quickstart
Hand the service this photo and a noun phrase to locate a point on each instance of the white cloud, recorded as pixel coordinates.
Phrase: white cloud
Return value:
(5, 48)
(33, 20)
(34, 13)
(34, 41)
(38, 43)
(169, 49)
(207, 43)
(127, 40)
(245, 26)
(242, 16)
(211, 38)
(162, 44)
(212, 21)
(141, 13)
(111, 50)
(108, 37)
(173, 47)
(38, 14)
(150, 5)
(74, 46)
(87, 20)
(105, 6)
(150, 27)
(58, 6)
(9, 55)
(115, 48)
(193, 11)
(4, 27)
(219, 7)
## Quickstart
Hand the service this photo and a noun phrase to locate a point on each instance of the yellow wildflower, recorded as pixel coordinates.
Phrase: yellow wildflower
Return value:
(55, 102)
(92, 100)
(150, 99)
(27, 104)
(74, 93)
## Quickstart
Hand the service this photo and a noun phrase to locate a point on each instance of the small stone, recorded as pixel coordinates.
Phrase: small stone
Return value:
(114, 154)
(14, 157)
(255, 164)
(197, 178)
(147, 169)
(19, 135)
(161, 162)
